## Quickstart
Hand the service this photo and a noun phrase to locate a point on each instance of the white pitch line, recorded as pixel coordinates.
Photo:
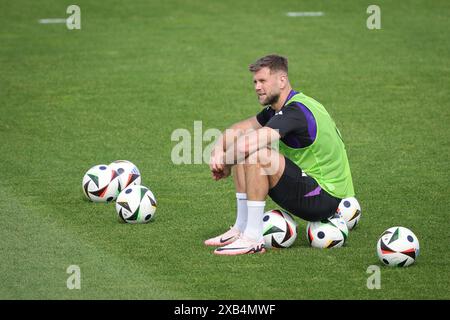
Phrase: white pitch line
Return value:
(305, 14)
(52, 20)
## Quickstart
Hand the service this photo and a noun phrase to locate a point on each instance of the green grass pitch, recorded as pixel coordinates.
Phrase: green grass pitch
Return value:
(138, 70)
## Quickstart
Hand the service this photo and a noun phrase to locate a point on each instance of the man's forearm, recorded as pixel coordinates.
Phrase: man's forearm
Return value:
(229, 137)
(243, 145)
(248, 143)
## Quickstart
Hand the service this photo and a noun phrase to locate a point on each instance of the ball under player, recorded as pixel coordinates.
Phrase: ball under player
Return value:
(308, 176)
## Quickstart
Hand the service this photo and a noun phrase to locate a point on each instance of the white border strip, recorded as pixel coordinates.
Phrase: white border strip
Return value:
(305, 14)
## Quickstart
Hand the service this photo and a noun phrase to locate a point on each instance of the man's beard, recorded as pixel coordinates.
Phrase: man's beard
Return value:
(271, 100)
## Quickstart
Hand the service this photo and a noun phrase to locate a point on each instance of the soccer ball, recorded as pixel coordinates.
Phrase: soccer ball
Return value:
(128, 173)
(279, 229)
(350, 210)
(100, 184)
(328, 233)
(136, 204)
(398, 247)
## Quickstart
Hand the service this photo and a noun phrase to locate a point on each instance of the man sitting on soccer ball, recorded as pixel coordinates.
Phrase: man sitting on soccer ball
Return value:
(307, 177)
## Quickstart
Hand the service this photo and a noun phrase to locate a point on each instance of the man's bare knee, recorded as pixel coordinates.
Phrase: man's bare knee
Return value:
(267, 159)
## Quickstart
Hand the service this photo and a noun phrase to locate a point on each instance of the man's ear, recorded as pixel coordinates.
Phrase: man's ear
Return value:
(283, 80)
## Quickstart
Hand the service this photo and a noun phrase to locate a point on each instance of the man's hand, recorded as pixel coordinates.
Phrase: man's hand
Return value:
(217, 175)
(217, 164)
(217, 160)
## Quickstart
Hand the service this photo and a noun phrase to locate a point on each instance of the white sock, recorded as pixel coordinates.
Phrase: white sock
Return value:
(254, 229)
(241, 217)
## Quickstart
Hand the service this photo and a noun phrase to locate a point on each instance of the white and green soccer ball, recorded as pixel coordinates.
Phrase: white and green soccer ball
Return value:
(100, 183)
(136, 204)
(128, 173)
(279, 229)
(398, 247)
(327, 233)
(350, 210)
